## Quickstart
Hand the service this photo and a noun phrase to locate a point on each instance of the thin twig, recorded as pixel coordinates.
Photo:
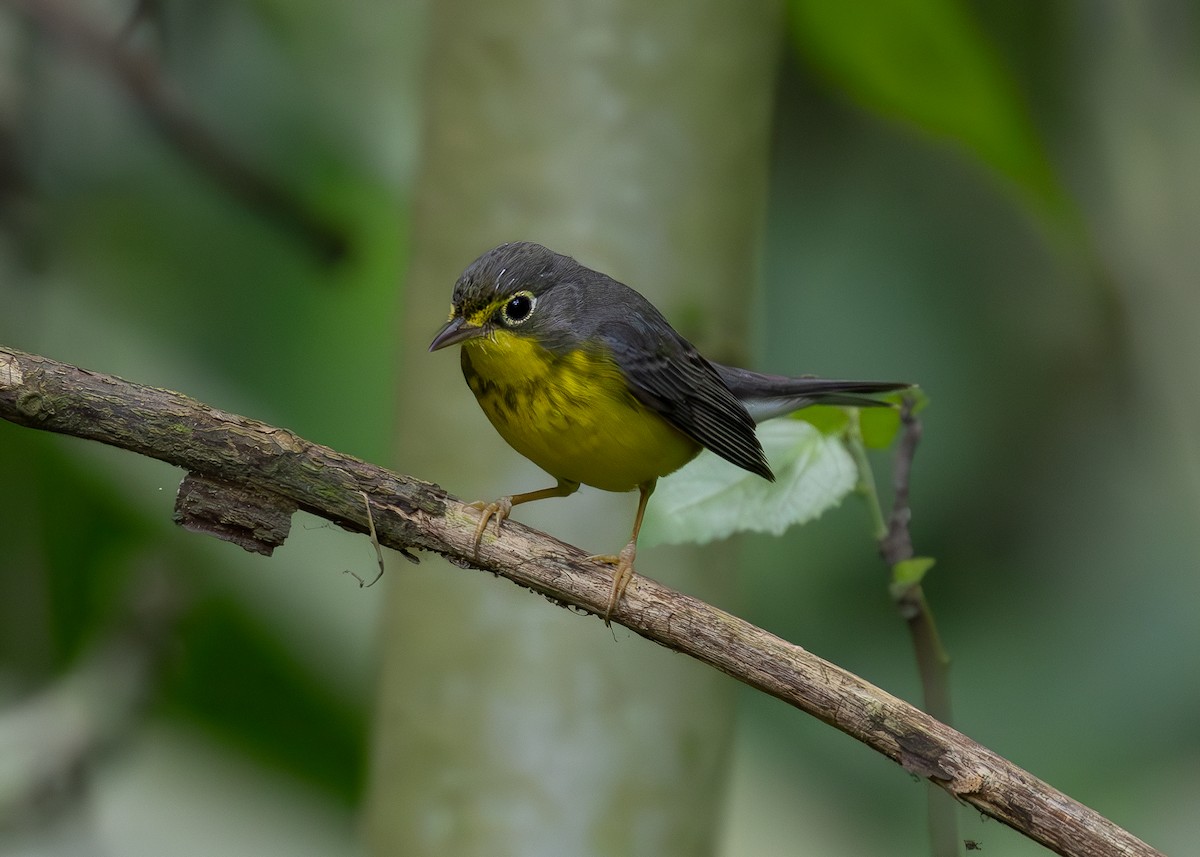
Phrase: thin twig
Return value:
(895, 546)
(866, 477)
(40, 393)
(932, 661)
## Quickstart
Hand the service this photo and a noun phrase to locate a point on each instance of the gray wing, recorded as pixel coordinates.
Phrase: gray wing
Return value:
(667, 374)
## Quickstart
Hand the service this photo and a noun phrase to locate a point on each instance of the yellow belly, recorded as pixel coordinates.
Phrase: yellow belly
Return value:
(571, 415)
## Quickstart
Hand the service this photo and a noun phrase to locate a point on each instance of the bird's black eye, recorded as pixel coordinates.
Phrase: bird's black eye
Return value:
(518, 308)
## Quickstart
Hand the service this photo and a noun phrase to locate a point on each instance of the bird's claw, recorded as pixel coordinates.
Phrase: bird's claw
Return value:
(621, 577)
(498, 509)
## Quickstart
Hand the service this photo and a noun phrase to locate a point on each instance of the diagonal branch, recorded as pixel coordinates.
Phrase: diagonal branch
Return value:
(408, 513)
(168, 112)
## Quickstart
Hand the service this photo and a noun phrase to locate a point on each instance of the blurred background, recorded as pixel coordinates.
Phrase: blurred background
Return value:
(998, 201)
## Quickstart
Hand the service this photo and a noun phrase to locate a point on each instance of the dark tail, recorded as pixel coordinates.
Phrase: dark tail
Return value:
(767, 396)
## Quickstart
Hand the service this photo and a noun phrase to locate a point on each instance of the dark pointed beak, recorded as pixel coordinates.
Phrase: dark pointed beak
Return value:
(454, 331)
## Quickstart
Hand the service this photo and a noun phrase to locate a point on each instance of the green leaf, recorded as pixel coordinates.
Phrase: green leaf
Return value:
(711, 499)
(911, 571)
(928, 62)
(908, 573)
(830, 420)
(879, 426)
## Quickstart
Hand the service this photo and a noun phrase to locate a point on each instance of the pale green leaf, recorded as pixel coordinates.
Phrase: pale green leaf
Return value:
(711, 499)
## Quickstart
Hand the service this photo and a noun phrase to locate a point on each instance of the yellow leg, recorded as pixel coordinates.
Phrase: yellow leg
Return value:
(502, 508)
(624, 560)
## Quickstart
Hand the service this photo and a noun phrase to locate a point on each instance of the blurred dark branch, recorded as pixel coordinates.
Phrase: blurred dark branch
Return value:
(49, 741)
(42, 394)
(168, 112)
(144, 12)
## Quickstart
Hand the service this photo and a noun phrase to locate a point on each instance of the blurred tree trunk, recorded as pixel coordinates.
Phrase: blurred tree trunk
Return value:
(634, 137)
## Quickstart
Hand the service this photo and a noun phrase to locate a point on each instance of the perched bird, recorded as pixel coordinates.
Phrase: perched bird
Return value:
(585, 378)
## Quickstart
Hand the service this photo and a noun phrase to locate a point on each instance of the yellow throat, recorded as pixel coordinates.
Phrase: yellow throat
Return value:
(571, 414)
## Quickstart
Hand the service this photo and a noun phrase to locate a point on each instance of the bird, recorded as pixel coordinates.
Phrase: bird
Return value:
(583, 376)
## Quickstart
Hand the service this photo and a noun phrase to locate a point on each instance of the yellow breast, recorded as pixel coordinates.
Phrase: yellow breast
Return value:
(572, 415)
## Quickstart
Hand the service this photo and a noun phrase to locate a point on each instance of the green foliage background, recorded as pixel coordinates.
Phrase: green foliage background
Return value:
(996, 201)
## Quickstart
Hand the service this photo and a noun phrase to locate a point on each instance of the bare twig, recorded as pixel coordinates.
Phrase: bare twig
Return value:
(932, 661)
(897, 544)
(168, 112)
(41, 393)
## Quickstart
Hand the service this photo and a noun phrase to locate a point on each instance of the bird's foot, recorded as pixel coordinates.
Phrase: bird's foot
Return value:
(621, 577)
(498, 509)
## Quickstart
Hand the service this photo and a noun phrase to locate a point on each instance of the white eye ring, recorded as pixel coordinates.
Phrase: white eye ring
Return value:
(518, 308)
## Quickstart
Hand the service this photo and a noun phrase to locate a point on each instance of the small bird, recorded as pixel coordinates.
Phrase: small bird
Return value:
(586, 378)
